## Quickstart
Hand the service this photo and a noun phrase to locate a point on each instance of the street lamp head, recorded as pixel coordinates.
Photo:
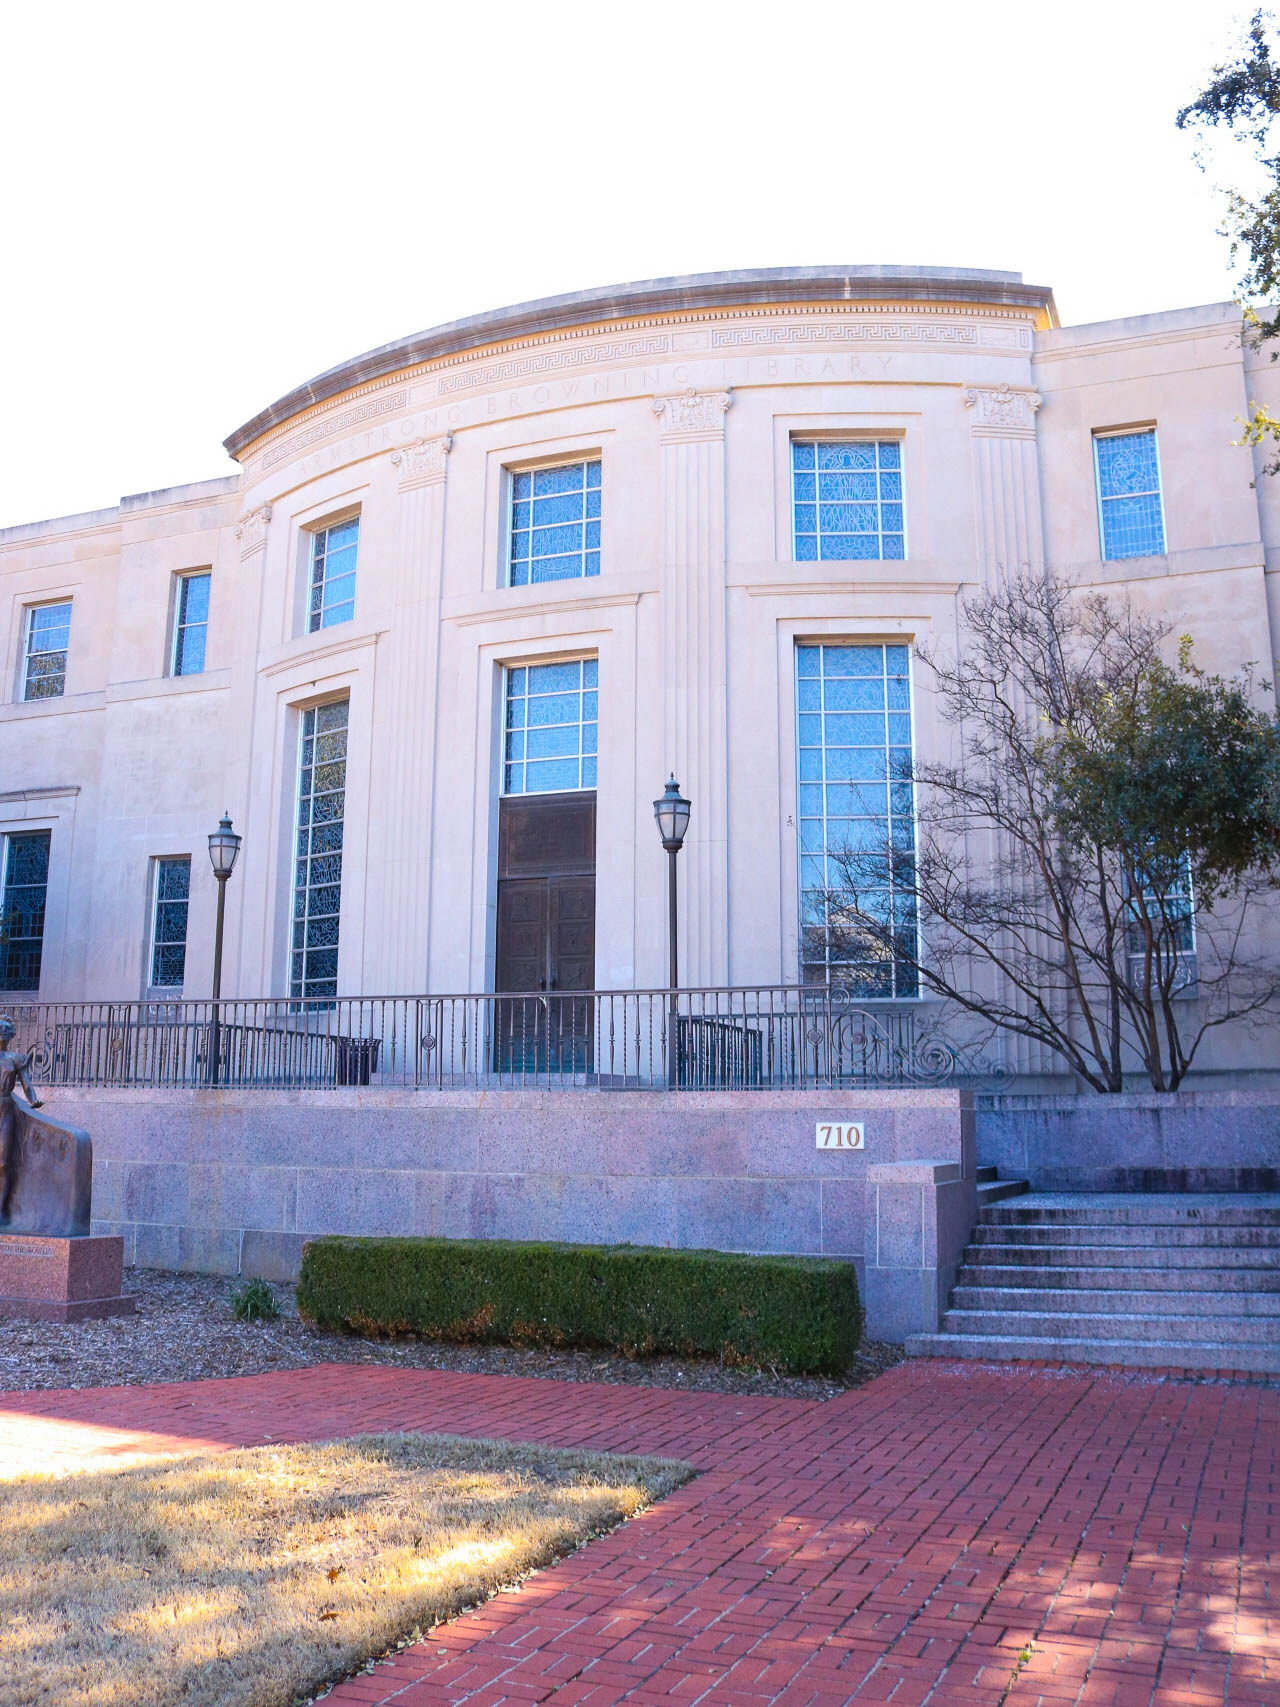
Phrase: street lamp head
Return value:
(671, 814)
(224, 845)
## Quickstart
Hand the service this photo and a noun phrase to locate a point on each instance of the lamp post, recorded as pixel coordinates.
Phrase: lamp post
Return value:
(224, 846)
(671, 814)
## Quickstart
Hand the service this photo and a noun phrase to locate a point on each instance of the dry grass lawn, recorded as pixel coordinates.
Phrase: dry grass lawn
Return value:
(248, 1579)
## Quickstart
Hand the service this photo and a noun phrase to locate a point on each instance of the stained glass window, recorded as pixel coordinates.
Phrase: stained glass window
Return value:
(25, 879)
(847, 500)
(333, 574)
(169, 922)
(549, 738)
(856, 795)
(317, 882)
(555, 523)
(1130, 509)
(191, 622)
(45, 668)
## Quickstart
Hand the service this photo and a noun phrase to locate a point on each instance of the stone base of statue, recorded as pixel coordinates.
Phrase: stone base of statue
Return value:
(44, 1278)
(52, 1269)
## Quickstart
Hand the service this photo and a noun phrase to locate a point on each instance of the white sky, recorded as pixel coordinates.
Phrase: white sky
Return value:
(204, 205)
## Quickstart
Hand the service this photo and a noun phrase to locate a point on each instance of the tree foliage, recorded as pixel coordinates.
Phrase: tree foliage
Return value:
(1090, 871)
(1240, 104)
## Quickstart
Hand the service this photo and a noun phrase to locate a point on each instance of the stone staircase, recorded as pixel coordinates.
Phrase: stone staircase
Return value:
(1186, 1280)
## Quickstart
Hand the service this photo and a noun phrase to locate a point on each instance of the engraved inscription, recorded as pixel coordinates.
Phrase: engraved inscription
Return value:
(334, 424)
(848, 332)
(548, 361)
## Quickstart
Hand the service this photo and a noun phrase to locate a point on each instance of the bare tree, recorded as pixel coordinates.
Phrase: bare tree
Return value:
(1092, 871)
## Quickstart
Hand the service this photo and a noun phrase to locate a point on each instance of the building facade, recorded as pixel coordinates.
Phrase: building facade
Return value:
(473, 596)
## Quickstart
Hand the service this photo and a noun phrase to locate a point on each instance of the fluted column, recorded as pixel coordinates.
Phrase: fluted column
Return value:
(1006, 479)
(1010, 539)
(695, 677)
(406, 740)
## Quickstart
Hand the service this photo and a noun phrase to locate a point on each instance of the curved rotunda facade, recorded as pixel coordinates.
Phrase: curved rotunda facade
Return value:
(473, 596)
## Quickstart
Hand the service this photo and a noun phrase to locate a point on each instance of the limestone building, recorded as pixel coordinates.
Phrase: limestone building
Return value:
(472, 597)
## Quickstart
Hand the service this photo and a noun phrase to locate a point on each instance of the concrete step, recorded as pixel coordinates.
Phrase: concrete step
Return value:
(997, 1190)
(1213, 1259)
(1137, 1209)
(1090, 1277)
(987, 1174)
(989, 1231)
(1053, 1298)
(1115, 1325)
(1145, 1354)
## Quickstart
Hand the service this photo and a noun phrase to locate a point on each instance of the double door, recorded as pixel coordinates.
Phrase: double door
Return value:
(546, 934)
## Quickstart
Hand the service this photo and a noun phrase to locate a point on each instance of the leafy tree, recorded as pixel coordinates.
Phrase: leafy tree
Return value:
(1092, 871)
(1240, 105)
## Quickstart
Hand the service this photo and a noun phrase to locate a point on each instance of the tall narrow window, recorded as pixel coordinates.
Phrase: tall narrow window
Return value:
(190, 624)
(855, 797)
(44, 673)
(333, 574)
(1130, 507)
(169, 922)
(1161, 928)
(23, 884)
(555, 523)
(317, 883)
(847, 500)
(550, 735)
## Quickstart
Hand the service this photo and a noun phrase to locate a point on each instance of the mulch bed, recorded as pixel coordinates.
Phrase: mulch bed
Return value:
(185, 1331)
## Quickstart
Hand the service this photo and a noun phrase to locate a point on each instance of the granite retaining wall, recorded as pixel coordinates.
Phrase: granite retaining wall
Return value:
(232, 1182)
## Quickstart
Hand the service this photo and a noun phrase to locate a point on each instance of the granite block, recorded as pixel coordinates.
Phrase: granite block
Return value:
(844, 1217)
(750, 1215)
(899, 1229)
(354, 1200)
(156, 1245)
(271, 1256)
(604, 1211)
(260, 1197)
(155, 1191)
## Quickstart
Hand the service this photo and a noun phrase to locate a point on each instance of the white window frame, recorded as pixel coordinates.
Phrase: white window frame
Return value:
(527, 664)
(27, 654)
(179, 590)
(6, 839)
(510, 471)
(313, 533)
(817, 436)
(172, 991)
(1128, 433)
(798, 642)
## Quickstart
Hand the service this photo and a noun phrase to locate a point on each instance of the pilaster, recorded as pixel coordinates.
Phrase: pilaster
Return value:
(694, 668)
(1006, 479)
(398, 930)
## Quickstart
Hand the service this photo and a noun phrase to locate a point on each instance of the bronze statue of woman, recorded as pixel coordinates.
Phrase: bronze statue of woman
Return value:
(15, 1069)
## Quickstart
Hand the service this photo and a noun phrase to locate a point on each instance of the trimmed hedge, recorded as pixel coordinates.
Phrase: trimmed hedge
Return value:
(799, 1314)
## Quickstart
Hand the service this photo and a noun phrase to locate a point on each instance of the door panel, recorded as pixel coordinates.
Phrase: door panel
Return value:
(546, 933)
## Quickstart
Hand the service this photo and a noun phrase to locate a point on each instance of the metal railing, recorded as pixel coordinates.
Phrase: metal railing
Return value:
(781, 1037)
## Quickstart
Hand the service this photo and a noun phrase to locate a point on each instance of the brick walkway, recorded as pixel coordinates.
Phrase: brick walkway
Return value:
(950, 1536)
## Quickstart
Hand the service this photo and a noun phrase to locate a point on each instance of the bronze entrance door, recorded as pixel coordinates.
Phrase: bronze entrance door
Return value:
(546, 936)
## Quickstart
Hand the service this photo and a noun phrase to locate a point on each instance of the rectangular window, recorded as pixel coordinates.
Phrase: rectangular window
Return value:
(1130, 508)
(169, 922)
(550, 734)
(333, 574)
(1169, 904)
(23, 883)
(44, 673)
(317, 883)
(856, 796)
(847, 500)
(190, 624)
(555, 523)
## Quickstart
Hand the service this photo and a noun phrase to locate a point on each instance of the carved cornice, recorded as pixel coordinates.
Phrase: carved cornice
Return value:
(692, 414)
(422, 463)
(251, 530)
(1000, 412)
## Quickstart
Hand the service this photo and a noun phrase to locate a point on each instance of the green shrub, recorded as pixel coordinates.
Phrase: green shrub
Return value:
(799, 1314)
(254, 1302)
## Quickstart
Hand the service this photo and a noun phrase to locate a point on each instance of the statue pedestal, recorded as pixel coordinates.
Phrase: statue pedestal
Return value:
(45, 1279)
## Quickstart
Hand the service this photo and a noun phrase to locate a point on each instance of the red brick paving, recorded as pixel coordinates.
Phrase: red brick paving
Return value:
(950, 1536)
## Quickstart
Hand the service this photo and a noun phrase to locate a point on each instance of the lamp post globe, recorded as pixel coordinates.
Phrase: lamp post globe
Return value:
(671, 814)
